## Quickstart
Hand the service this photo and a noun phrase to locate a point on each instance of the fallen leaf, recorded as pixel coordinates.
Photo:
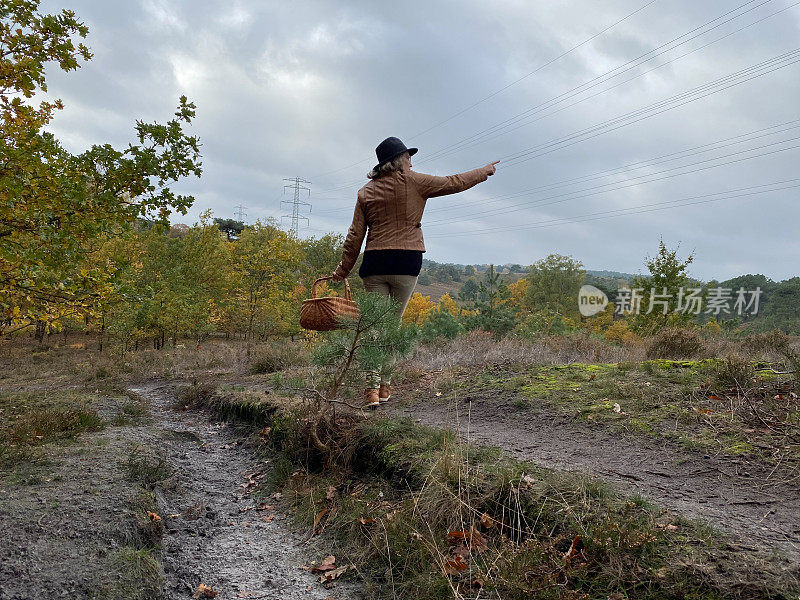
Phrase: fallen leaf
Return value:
(438, 394)
(331, 493)
(454, 566)
(153, 516)
(204, 591)
(457, 536)
(477, 583)
(476, 540)
(713, 397)
(319, 517)
(702, 411)
(473, 537)
(265, 506)
(331, 575)
(366, 521)
(576, 548)
(487, 521)
(327, 564)
(591, 378)
(617, 408)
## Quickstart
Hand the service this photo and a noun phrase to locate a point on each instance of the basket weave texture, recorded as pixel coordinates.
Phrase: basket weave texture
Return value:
(326, 314)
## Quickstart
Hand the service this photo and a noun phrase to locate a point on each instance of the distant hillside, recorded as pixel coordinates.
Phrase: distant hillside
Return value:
(611, 274)
(436, 290)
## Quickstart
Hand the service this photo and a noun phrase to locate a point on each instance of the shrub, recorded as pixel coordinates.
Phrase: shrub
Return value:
(769, 341)
(537, 324)
(733, 371)
(675, 342)
(440, 324)
(620, 333)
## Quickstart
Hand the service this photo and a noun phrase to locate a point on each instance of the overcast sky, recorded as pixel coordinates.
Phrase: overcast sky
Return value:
(308, 89)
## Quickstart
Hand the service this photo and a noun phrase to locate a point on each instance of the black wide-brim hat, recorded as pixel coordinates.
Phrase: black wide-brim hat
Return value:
(391, 148)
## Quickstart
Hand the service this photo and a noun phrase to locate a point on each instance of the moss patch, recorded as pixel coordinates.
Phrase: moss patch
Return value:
(689, 401)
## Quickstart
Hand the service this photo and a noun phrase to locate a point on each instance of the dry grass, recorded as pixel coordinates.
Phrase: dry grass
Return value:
(79, 361)
(31, 419)
(676, 343)
(479, 348)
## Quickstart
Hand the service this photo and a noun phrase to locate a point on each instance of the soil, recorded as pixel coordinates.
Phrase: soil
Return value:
(63, 517)
(756, 503)
(65, 522)
(221, 538)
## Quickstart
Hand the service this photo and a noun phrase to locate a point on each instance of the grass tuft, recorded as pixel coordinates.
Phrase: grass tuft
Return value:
(147, 467)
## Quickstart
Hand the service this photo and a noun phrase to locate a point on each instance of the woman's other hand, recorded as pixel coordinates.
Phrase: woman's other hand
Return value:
(490, 168)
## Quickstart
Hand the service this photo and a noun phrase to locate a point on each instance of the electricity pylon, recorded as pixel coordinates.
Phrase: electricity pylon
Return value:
(295, 202)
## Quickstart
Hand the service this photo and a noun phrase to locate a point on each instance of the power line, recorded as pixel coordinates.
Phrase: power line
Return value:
(694, 94)
(644, 208)
(536, 70)
(513, 83)
(593, 191)
(505, 126)
(296, 203)
(664, 158)
(446, 150)
(750, 136)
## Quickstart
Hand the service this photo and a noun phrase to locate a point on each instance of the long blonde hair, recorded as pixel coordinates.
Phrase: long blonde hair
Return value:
(393, 165)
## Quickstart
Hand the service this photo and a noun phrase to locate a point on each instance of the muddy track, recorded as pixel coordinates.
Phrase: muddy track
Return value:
(758, 507)
(216, 536)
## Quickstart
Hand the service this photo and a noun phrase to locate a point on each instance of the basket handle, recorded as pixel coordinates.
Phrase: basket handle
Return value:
(347, 293)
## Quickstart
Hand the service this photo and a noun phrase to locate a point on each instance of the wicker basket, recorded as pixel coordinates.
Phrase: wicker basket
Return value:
(325, 314)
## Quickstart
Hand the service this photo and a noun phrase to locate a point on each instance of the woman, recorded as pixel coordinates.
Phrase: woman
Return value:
(389, 212)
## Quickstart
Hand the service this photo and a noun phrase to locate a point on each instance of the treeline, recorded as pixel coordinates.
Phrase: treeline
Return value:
(162, 283)
(545, 301)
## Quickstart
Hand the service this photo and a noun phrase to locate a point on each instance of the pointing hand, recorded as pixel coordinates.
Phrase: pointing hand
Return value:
(490, 168)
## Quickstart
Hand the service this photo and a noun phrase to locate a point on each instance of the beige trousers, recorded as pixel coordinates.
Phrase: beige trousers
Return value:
(399, 288)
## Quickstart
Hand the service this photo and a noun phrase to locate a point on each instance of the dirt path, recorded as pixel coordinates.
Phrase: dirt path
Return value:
(220, 539)
(743, 498)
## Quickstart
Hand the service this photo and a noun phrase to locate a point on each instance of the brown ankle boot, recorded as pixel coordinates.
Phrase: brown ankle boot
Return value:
(371, 398)
(385, 392)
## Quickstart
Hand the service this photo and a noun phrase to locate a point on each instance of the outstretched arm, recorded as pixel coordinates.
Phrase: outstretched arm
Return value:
(431, 186)
(352, 243)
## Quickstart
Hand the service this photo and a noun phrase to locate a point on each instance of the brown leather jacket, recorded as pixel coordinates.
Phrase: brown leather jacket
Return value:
(391, 207)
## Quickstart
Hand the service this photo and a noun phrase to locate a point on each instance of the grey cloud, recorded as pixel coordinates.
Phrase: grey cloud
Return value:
(306, 88)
